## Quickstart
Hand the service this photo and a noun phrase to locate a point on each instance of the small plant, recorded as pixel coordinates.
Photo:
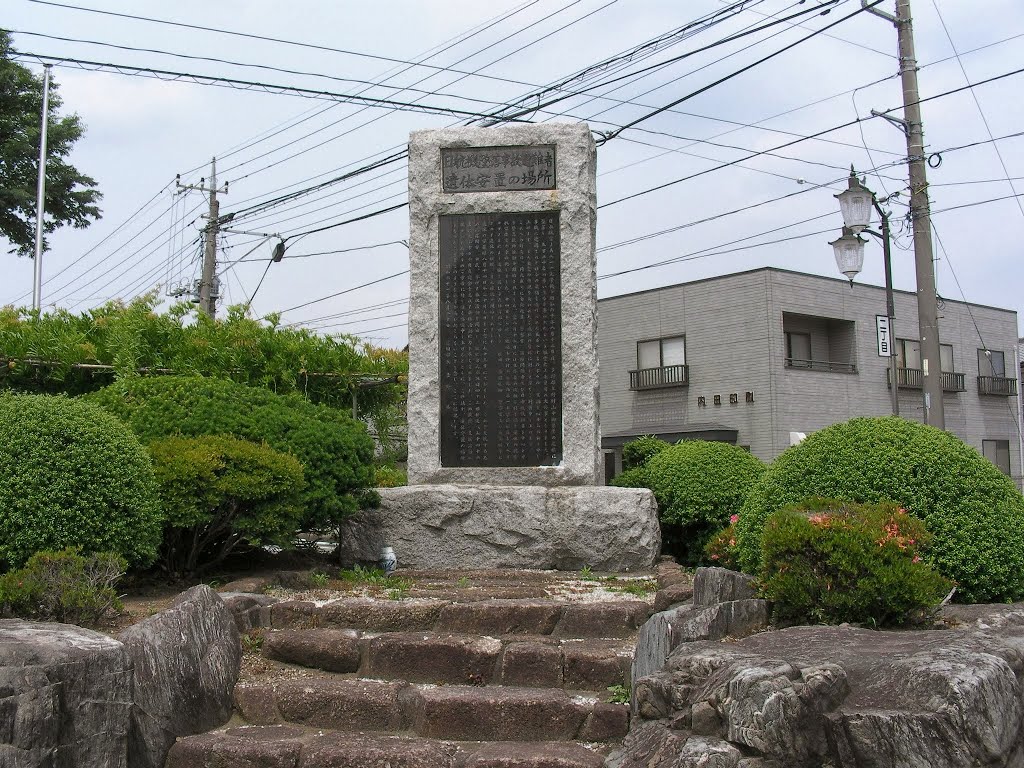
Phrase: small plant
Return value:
(318, 579)
(586, 572)
(637, 587)
(362, 575)
(619, 694)
(253, 641)
(832, 562)
(463, 582)
(63, 586)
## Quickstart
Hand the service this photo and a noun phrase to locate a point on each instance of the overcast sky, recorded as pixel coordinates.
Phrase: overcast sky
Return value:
(141, 132)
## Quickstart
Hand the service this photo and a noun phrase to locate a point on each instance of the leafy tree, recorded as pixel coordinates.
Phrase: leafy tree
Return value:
(71, 196)
(220, 494)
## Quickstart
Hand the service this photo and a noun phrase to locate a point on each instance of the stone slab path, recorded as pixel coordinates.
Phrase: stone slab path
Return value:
(453, 669)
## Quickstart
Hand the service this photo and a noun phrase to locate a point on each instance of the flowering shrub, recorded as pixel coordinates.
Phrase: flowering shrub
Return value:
(829, 562)
(973, 510)
(721, 548)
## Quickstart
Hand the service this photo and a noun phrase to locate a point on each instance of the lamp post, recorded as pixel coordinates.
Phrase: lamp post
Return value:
(856, 203)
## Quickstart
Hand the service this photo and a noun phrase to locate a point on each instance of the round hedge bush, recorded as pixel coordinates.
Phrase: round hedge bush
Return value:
(973, 511)
(699, 485)
(638, 452)
(335, 450)
(72, 475)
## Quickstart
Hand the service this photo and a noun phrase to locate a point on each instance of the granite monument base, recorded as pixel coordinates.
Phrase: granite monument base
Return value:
(499, 526)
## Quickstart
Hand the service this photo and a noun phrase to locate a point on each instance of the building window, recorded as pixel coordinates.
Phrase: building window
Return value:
(998, 452)
(991, 363)
(946, 358)
(660, 363)
(908, 355)
(798, 349)
(660, 353)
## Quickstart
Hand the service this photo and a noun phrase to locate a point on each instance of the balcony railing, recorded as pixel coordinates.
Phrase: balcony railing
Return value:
(657, 378)
(1000, 386)
(913, 378)
(820, 365)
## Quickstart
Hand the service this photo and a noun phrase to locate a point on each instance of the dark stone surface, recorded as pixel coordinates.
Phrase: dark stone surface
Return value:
(518, 755)
(620, 618)
(186, 662)
(250, 611)
(65, 697)
(719, 585)
(332, 650)
(501, 617)
(429, 658)
(674, 594)
(593, 666)
(360, 750)
(605, 723)
(500, 326)
(358, 613)
(344, 705)
(532, 663)
(253, 747)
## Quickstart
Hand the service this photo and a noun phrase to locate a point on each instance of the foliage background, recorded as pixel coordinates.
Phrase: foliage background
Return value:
(72, 475)
(974, 512)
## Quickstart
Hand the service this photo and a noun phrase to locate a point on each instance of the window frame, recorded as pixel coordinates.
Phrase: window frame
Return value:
(790, 359)
(997, 445)
(661, 350)
(992, 370)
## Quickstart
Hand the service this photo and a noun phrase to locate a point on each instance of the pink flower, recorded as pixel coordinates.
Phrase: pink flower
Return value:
(733, 519)
(916, 559)
(714, 557)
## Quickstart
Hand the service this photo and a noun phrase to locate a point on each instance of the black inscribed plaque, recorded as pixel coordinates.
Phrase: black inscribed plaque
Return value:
(501, 340)
(493, 169)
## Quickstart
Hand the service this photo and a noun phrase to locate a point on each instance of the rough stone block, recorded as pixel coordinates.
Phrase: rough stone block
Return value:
(252, 747)
(620, 618)
(720, 585)
(250, 611)
(496, 714)
(257, 705)
(674, 594)
(607, 529)
(344, 705)
(186, 661)
(535, 664)
(381, 615)
(606, 722)
(592, 667)
(501, 617)
(332, 650)
(361, 750)
(429, 658)
(502, 754)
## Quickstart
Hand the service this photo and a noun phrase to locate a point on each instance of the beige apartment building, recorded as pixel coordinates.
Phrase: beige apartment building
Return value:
(760, 358)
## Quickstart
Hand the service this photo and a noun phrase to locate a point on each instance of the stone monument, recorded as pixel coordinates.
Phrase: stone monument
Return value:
(504, 431)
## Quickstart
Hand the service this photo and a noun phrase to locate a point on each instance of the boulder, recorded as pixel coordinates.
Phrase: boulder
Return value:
(720, 585)
(186, 661)
(65, 696)
(430, 526)
(842, 696)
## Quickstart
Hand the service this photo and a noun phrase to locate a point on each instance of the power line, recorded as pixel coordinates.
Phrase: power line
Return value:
(342, 293)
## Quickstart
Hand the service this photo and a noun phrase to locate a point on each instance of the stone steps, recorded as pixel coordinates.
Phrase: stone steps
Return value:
(492, 618)
(454, 658)
(291, 747)
(450, 712)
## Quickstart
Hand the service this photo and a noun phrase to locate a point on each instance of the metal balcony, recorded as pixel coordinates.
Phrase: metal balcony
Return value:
(820, 365)
(913, 378)
(1000, 386)
(659, 378)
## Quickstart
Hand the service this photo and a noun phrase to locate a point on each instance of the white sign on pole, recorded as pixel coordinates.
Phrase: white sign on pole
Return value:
(884, 337)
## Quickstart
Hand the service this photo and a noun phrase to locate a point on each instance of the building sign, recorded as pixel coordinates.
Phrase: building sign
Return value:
(496, 169)
(884, 336)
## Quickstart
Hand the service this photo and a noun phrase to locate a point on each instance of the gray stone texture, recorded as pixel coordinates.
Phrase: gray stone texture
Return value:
(576, 200)
(839, 696)
(720, 585)
(65, 697)
(70, 697)
(455, 526)
(186, 661)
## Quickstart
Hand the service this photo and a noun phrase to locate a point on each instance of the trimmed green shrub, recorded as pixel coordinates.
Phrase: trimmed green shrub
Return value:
(699, 486)
(72, 475)
(63, 586)
(638, 452)
(220, 493)
(634, 477)
(974, 512)
(335, 451)
(386, 476)
(830, 562)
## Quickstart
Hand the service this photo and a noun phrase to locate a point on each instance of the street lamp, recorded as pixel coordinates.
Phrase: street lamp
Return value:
(856, 203)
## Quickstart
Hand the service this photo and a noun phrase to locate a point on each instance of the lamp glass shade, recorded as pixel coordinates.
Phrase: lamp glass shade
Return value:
(849, 251)
(855, 203)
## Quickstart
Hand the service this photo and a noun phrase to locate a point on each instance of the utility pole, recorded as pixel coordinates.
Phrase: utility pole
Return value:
(208, 283)
(37, 268)
(920, 215)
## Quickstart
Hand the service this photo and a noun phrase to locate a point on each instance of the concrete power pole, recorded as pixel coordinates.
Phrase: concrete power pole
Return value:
(920, 215)
(37, 268)
(208, 282)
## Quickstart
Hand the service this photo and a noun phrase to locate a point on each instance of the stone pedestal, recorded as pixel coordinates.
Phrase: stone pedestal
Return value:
(455, 526)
